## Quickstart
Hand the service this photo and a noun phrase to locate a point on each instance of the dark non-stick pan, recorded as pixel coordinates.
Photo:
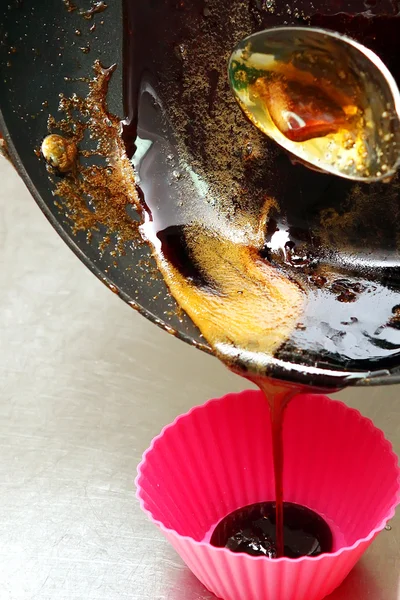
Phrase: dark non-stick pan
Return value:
(49, 48)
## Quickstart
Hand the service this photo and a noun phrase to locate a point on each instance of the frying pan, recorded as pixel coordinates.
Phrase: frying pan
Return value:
(47, 49)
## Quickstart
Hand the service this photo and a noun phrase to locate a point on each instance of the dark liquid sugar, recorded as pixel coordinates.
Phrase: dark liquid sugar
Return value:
(198, 161)
(252, 530)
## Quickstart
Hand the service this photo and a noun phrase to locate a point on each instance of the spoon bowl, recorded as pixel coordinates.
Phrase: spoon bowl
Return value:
(328, 100)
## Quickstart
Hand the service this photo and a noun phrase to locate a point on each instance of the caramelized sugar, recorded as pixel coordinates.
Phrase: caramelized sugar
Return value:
(301, 112)
(260, 253)
(252, 530)
(281, 260)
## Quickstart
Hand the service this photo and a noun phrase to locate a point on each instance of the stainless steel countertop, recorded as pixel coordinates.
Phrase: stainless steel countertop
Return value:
(85, 383)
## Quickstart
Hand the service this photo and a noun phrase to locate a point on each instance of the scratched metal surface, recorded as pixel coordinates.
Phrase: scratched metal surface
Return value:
(85, 383)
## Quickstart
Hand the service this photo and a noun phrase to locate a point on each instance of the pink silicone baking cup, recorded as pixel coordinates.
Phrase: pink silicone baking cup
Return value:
(217, 458)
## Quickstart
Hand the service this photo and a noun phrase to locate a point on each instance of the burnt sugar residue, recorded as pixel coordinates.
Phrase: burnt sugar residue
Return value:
(4, 149)
(69, 5)
(60, 152)
(95, 184)
(295, 255)
(96, 7)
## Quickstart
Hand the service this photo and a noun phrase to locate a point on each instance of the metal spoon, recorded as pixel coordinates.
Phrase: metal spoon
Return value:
(328, 100)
